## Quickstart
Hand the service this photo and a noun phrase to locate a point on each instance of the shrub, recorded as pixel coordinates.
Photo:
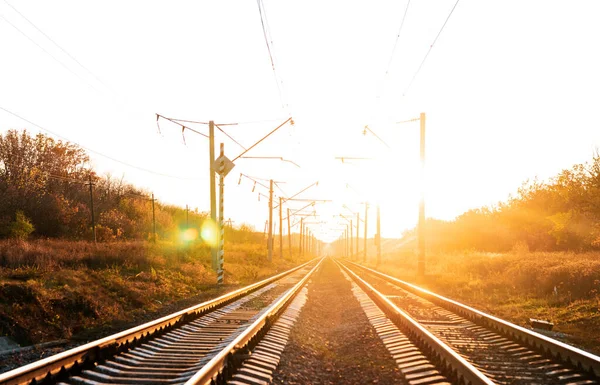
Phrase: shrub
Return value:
(21, 227)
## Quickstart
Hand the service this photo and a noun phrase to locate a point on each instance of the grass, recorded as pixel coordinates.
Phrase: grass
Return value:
(560, 287)
(54, 289)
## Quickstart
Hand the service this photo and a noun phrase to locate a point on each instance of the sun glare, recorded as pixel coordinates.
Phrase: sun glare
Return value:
(208, 232)
(189, 235)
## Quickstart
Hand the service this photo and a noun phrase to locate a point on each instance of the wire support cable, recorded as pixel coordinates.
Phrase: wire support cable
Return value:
(264, 137)
(183, 127)
(96, 152)
(387, 70)
(56, 44)
(269, 41)
(430, 48)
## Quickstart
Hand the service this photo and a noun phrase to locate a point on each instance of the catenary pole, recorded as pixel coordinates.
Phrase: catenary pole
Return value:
(365, 240)
(153, 221)
(289, 234)
(91, 184)
(270, 239)
(421, 231)
(357, 233)
(280, 228)
(213, 193)
(221, 253)
(378, 235)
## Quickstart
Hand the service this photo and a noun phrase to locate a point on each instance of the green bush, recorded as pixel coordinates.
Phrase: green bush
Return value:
(21, 227)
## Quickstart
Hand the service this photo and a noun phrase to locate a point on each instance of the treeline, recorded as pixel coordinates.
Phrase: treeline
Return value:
(562, 213)
(45, 192)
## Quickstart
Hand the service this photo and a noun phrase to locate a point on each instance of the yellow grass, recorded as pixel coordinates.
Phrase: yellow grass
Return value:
(53, 289)
(562, 287)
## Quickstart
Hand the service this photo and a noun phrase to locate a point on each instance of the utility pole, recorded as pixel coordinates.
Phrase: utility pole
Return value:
(378, 235)
(289, 234)
(306, 237)
(421, 230)
(213, 192)
(153, 221)
(357, 233)
(351, 239)
(270, 241)
(221, 252)
(365, 240)
(187, 217)
(280, 227)
(346, 241)
(91, 184)
(301, 237)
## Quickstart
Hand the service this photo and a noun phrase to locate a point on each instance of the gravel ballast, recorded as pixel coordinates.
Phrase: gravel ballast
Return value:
(333, 341)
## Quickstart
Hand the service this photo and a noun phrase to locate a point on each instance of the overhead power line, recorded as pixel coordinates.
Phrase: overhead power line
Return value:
(430, 48)
(396, 42)
(229, 136)
(47, 52)
(263, 138)
(94, 151)
(269, 41)
(56, 44)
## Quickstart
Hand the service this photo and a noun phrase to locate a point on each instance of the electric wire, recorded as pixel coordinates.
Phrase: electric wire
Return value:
(230, 137)
(396, 42)
(183, 127)
(263, 138)
(57, 45)
(48, 53)
(266, 33)
(430, 48)
(96, 152)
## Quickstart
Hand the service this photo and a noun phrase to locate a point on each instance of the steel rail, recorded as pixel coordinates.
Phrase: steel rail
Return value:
(460, 369)
(95, 351)
(568, 354)
(218, 369)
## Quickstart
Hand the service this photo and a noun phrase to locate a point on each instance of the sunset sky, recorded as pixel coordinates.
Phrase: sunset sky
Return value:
(511, 90)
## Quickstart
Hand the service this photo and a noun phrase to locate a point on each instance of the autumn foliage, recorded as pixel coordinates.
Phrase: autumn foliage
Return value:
(560, 214)
(45, 190)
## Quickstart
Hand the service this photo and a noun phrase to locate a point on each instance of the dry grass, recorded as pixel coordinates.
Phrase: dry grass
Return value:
(53, 289)
(517, 286)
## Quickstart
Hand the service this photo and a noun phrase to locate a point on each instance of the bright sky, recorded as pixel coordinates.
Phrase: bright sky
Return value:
(510, 89)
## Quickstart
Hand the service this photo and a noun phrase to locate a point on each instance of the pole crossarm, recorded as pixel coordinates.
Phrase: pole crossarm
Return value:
(377, 136)
(183, 126)
(252, 179)
(308, 205)
(263, 138)
(281, 158)
(408, 121)
(310, 200)
(342, 216)
(299, 192)
(344, 158)
(352, 212)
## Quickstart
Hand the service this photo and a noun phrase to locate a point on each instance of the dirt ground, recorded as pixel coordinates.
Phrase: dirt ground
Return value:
(333, 341)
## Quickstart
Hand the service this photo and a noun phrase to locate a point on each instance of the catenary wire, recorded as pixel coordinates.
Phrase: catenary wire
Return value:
(96, 152)
(57, 45)
(430, 48)
(48, 53)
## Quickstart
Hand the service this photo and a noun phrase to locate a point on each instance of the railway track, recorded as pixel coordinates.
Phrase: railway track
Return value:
(437, 339)
(204, 343)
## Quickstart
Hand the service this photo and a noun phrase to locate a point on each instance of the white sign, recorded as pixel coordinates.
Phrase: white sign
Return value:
(228, 165)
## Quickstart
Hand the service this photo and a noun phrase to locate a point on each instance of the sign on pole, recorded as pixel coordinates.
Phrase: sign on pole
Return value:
(227, 165)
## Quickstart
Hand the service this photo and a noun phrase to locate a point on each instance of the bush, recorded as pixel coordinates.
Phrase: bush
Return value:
(21, 227)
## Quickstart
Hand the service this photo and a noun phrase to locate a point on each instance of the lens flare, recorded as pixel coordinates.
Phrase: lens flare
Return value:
(209, 232)
(190, 235)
